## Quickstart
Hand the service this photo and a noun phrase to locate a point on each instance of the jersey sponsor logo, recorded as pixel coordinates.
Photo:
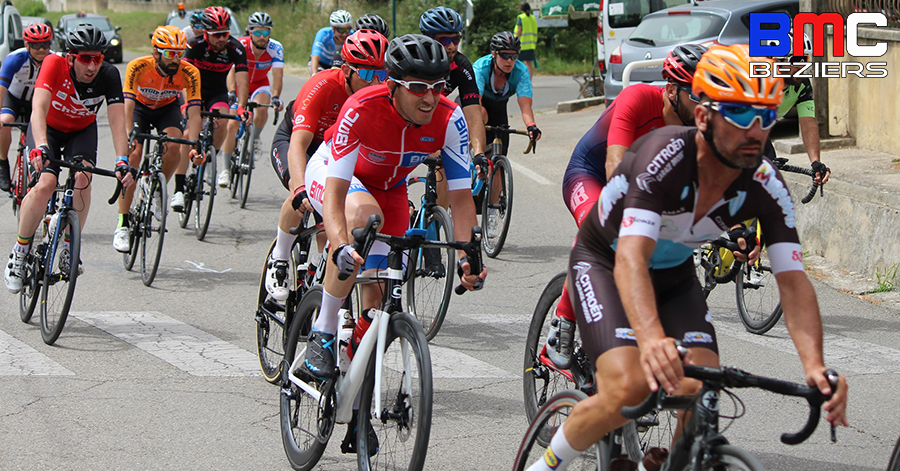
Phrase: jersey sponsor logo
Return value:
(592, 309)
(375, 157)
(796, 256)
(661, 165)
(343, 132)
(157, 95)
(765, 175)
(579, 196)
(625, 333)
(317, 191)
(612, 192)
(76, 112)
(734, 204)
(697, 337)
(708, 317)
(630, 220)
(299, 119)
(61, 95)
(668, 225)
(460, 124)
(426, 139)
(550, 459)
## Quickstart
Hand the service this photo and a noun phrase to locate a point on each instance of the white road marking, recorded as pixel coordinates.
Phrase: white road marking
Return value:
(185, 347)
(202, 268)
(449, 363)
(17, 358)
(519, 168)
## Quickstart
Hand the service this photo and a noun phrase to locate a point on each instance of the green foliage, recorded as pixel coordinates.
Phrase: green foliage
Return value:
(490, 17)
(31, 8)
(575, 43)
(886, 280)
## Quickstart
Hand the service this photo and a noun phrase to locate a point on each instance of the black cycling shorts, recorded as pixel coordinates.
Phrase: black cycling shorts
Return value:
(19, 108)
(68, 145)
(497, 116)
(210, 101)
(162, 118)
(601, 317)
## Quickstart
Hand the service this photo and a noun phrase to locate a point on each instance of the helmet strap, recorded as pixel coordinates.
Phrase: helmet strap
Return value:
(708, 136)
(497, 69)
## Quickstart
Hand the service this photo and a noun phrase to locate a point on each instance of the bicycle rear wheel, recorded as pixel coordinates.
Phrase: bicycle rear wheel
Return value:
(272, 321)
(31, 284)
(728, 457)
(547, 421)
(205, 194)
(189, 187)
(23, 167)
(496, 211)
(433, 274)
(304, 429)
(153, 228)
(60, 275)
(235, 166)
(758, 299)
(246, 171)
(404, 425)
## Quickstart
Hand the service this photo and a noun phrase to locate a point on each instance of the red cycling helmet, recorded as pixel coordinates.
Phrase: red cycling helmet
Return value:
(365, 48)
(37, 33)
(216, 19)
(680, 64)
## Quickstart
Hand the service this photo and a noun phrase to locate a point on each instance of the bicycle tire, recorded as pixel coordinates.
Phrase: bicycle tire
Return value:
(305, 454)
(503, 171)
(206, 190)
(272, 322)
(894, 464)
(428, 292)
(547, 421)
(22, 165)
(31, 284)
(759, 304)
(134, 233)
(706, 261)
(410, 411)
(189, 188)
(246, 171)
(153, 228)
(234, 184)
(58, 288)
(728, 457)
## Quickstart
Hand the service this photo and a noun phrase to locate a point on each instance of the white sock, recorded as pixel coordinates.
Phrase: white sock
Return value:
(328, 314)
(283, 242)
(22, 248)
(558, 455)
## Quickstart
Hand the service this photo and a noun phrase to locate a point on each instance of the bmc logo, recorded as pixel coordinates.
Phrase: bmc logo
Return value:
(762, 41)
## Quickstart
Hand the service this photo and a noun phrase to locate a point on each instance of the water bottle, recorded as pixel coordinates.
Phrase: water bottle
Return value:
(51, 225)
(653, 459)
(623, 463)
(344, 336)
(362, 325)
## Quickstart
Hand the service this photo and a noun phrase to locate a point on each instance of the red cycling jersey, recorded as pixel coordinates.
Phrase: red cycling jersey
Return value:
(319, 102)
(272, 57)
(74, 105)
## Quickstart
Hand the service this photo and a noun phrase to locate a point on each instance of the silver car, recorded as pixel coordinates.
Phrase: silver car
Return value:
(710, 22)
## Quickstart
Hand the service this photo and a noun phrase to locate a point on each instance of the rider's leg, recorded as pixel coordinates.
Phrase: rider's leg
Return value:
(260, 115)
(5, 140)
(580, 191)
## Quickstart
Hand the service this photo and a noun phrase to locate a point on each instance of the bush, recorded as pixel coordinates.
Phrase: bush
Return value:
(491, 17)
(32, 8)
(573, 43)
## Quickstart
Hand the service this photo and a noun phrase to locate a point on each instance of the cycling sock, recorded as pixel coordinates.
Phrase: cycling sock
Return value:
(558, 455)
(4, 166)
(328, 315)
(22, 244)
(564, 308)
(227, 159)
(283, 242)
(124, 219)
(255, 132)
(179, 183)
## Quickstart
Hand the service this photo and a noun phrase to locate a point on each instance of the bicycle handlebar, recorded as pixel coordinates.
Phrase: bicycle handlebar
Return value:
(781, 163)
(21, 126)
(77, 166)
(532, 144)
(165, 138)
(217, 114)
(252, 105)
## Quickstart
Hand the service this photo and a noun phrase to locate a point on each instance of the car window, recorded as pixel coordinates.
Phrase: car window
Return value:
(668, 30)
(10, 30)
(628, 13)
(790, 10)
(100, 23)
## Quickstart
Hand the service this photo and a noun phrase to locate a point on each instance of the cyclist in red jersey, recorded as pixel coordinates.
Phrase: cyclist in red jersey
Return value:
(302, 131)
(381, 135)
(68, 93)
(263, 54)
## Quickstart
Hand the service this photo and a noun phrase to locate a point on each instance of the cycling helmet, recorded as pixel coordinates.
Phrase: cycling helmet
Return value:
(86, 37)
(505, 41)
(259, 19)
(723, 74)
(216, 19)
(168, 37)
(365, 48)
(340, 18)
(807, 47)
(37, 33)
(417, 56)
(375, 23)
(680, 64)
(197, 19)
(440, 20)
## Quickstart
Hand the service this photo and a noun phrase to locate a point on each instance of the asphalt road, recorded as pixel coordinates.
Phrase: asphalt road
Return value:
(166, 377)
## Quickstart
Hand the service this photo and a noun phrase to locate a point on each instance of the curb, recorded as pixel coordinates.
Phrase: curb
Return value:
(795, 145)
(575, 105)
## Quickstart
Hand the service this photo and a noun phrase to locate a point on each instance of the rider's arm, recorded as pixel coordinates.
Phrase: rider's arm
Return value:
(242, 80)
(313, 64)
(277, 80)
(300, 141)
(129, 115)
(614, 156)
(809, 132)
(475, 122)
(40, 103)
(116, 116)
(527, 113)
(194, 122)
(3, 91)
(229, 81)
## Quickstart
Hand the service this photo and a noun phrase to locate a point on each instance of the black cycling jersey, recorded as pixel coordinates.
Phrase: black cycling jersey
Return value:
(463, 77)
(214, 65)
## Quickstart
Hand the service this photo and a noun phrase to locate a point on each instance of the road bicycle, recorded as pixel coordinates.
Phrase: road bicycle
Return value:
(894, 464)
(756, 292)
(243, 160)
(23, 174)
(390, 370)
(493, 191)
(46, 271)
(700, 446)
(200, 183)
(147, 221)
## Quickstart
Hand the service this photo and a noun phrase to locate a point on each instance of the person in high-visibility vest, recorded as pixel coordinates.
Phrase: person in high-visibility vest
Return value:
(527, 32)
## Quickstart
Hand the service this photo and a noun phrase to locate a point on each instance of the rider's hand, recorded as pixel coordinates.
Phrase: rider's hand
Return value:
(346, 260)
(124, 172)
(244, 114)
(197, 158)
(480, 161)
(836, 407)
(662, 364)
(301, 199)
(533, 132)
(469, 280)
(38, 156)
(276, 102)
(822, 173)
(746, 241)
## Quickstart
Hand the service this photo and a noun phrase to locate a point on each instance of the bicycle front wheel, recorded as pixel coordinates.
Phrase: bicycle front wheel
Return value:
(727, 458)
(189, 187)
(758, 299)
(496, 211)
(205, 194)
(433, 272)
(60, 274)
(134, 222)
(403, 427)
(547, 421)
(271, 322)
(153, 228)
(31, 284)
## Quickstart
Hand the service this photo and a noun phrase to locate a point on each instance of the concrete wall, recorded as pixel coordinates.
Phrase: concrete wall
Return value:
(124, 6)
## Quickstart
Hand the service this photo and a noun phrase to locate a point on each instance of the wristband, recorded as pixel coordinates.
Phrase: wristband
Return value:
(122, 160)
(530, 124)
(299, 189)
(234, 106)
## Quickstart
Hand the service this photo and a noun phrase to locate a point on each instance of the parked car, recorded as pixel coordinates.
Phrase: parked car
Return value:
(177, 19)
(10, 29)
(711, 22)
(69, 22)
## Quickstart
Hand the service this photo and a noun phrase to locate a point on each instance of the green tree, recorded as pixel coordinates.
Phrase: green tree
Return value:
(491, 17)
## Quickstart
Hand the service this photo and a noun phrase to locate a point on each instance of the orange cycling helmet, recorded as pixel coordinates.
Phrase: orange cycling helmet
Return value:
(168, 37)
(723, 74)
(365, 48)
(37, 33)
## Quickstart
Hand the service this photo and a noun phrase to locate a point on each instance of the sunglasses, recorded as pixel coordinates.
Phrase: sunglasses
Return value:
(341, 30)
(508, 55)
(40, 45)
(88, 59)
(448, 40)
(691, 95)
(421, 88)
(219, 34)
(171, 53)
(369, 74)
(261, 33)
(743, 116)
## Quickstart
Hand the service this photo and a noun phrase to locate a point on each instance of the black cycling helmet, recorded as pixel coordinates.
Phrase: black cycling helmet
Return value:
(505, 41)
(417, 56)
(259, 19)
(197, 19)
(374, 23)
(680, 64)
(86, 37)
(440, 20)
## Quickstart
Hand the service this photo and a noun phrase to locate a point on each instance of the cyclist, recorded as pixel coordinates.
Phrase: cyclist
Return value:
(368, 21)
(632, 267)
(263, 54)
(153, 85)
(195, 27)
(68, 93)
(17, 76)
(302, 131)
(214, 55)
(329, 39)
(381, 135)
(638, 110)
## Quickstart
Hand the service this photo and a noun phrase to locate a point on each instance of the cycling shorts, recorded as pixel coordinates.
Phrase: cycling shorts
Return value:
(68, 145)
(497, 116)
(215, 101)
(259, 89)
(279, 157)
(581, 189)
(165, 117)
(601, 318)
(17, 107)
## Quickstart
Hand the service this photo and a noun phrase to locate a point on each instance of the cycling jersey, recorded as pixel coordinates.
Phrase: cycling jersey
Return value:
(324, 47)
(653, 194)
(518, 82)
(316, 108)
(271, 58)
(214, 65)
(188, 33)
(18, 74)
(145, 85)
(800, 95)
(463, 77)
(74, 105)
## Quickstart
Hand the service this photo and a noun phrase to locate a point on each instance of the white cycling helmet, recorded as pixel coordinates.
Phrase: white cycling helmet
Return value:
(807, 48)
(341, 18)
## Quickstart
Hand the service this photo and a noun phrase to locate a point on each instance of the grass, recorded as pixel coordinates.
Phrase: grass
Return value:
(886, 280)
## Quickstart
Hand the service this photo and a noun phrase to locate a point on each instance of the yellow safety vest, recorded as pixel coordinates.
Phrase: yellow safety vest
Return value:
(529, 31)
